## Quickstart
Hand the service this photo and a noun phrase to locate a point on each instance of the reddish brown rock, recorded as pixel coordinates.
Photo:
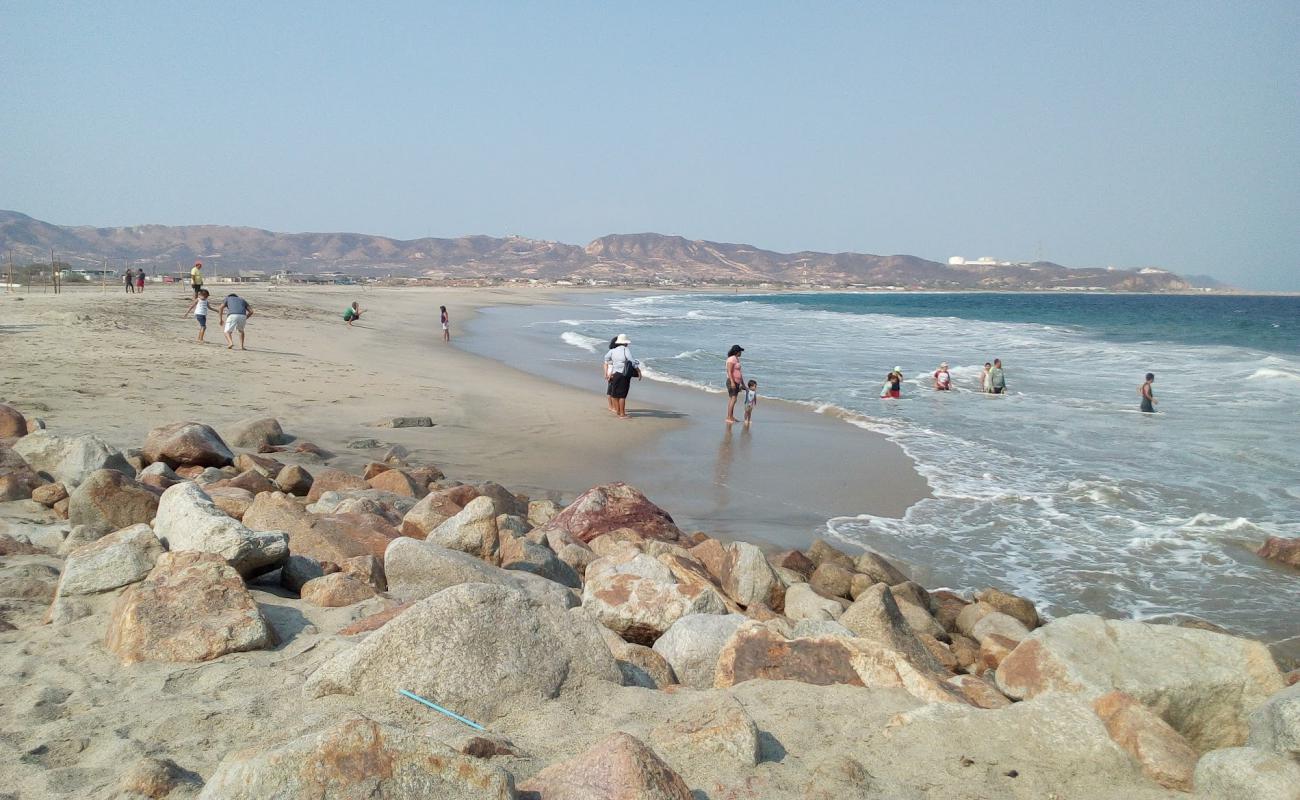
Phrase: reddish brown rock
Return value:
(831, 580)
(756, 651)
(330, 537)
(338, 589)
(294, 479)
(190, 473)
(49, 494)
(941, 652)
(690, 572)
(153, 778)
(12, 423)
(761, 612)
(334, 480)
(186, 444)
(60, 508)
(711, 553)
(17, 479)
(1165, 756)
(400, 482)
(250, 480)
(1281, 550)
(613, 506)
(192, 607)
(374, 468)
(374, 621)
(426, 475)
(269, 467)
(1291, 678)
(1012, 605)
(794, 560)
(947, 606)
(9, 546)
(230, 499)
(993, 649)
(307, 448)
(966, 650)
(823, 551)
(619, 767)
(367, 568)
(107, 501)
(980, 692)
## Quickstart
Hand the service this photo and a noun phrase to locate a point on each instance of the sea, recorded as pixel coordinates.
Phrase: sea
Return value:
(1060, 489)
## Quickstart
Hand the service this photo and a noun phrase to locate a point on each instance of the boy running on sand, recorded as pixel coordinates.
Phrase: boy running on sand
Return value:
(751, 400)
(199, 308)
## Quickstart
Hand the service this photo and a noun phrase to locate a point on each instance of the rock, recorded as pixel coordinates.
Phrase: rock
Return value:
(472, 530)
(823, 551)
(879, 569)
(60, 509)
(154, 778)
(691, 646)
(12, 423)
(875, 616)
(375, 621)
(831, 579)
(478, 649)
(613, 506)
(755, 651)
(1164, 755)
(435, 509)
(332, 537)
(515, 526)
(17, 479)
(233, 501)
(619, 767)
(812, 628)
(191, 607)
(107, 500)
(336, 590)
(187, 444)
(1203, 684)
(297, 570)
(1012, 605)
(993, 651)
(747, 578)
(796, 561)
(941, 652)
(187, 519)
(639, 665)
(294, 479)
(859, 584)
(802, 602)
(309, 449)
(1282, 550)
(919, 619)
(966, 650)
(117, 559)
(946, 606)
(50, 493)
(368, 569)
(417, 569)
(521, 554)
(641, 609)
(1001, 624)
(720, 726)
(255, 433)
(979, 692)
(357, 758)
(364, 444)
(1246, 773)
(267, 466)
(69, 459)
(334, 480)
(1275, 725)
(405, 422)
(251, 481)
(541, 512)
(970, 615)
(506, 501)
(400, 482)
(9, 546)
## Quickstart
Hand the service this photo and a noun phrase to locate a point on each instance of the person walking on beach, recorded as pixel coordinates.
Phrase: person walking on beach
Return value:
(351, 313)
(751, 400)
(139, 280)
(984, 379)
(735, 380)
(446, 324)
(1148, 393)
(199, 308)
(196, 277)
(620, 369)
(128, 280)
(235, 312)
(997, 378)
(942, 378)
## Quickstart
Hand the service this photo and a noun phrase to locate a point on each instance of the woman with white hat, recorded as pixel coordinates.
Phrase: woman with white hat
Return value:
(620, 369)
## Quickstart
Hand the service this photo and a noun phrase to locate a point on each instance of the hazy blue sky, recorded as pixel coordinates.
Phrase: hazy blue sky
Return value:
(1128, 134)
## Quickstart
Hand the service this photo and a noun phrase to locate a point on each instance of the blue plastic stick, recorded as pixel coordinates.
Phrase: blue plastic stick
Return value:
(441, 710)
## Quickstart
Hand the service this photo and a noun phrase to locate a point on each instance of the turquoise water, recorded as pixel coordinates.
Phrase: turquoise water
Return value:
(1060, 489)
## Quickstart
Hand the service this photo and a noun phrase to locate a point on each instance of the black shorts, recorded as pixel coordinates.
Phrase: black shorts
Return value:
(998, 389)
(733, 389)
(619, 385)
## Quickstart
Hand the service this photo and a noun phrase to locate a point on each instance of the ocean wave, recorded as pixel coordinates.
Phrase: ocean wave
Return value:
(1266, 373)
(588, 343)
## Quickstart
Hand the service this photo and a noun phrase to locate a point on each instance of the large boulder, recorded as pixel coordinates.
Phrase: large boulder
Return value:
(505, 500)
(186, 444)
(607, 508)
(417, 569)
(107, 500)
(692, 644)
(1203, 684)
(329, 537)
(1276, 724)
(12, 423)
(640, 608)
(192, 607)
(69, 459)
(619, 767)
(475, 648)
(1246, 773)
(1012, 605)
(1165, 756)
(521, 554)
(255, 433)
(436, 508)
(803, 602)
(747, 578)
(719, 727)
(187, 519)
(1282, 550)
(336, 589)
(357, 758)
(115, 560)
(875, 616)
(399, 481)
(18, 481)
(334, 480)
(640, 665)
(472, 530)
(294, 479)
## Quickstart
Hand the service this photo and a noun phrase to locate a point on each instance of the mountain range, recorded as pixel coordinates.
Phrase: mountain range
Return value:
(639, 258)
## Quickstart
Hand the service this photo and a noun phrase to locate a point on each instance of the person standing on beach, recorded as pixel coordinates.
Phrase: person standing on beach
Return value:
(942, 378)
(446, 324)
(751, 400)
(196, 277)
(1148, 394)
(235, 312)
(997, 378)
(735, 380)
(128, 280)
(200, 310)
(984, 379)
(139, 280)
(620, 368)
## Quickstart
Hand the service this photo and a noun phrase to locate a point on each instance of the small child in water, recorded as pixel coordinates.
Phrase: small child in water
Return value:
(751, 399)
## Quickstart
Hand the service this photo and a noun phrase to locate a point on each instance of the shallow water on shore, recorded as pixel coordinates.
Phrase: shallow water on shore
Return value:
(1061, 489)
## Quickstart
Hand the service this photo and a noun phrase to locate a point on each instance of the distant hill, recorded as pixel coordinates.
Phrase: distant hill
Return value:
(618, 259)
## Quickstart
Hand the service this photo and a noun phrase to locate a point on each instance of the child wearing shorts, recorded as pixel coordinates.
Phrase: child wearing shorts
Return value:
(751, 399)
(199, 308)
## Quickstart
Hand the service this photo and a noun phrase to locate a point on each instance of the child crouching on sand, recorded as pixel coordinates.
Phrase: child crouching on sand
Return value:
(751, 399)
(199, 308)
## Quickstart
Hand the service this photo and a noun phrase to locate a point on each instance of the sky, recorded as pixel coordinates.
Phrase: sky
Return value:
(1119, 134)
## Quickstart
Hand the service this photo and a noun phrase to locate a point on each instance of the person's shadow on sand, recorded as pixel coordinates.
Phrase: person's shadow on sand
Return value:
(656, 414)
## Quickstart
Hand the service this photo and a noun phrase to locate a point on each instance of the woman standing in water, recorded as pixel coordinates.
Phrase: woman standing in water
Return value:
(735, 380)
